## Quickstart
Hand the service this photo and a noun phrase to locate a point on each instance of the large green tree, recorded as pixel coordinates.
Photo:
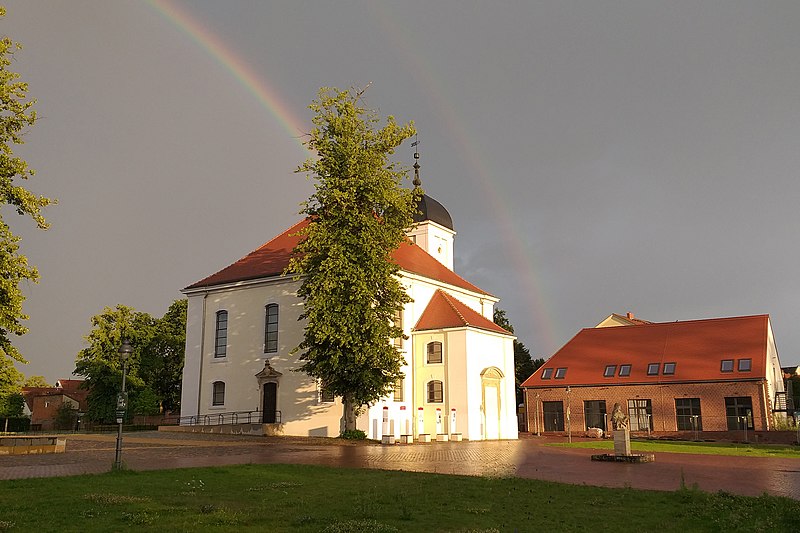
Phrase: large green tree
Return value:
(154, 367)
(358, 216)
(524, 363)
(161, 366)
(16, 115)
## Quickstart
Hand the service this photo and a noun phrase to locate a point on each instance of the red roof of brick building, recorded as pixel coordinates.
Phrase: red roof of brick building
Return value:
(444, 312)
(696, 347)
(272, 258)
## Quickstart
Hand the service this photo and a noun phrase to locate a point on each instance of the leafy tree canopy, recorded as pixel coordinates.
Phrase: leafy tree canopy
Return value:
(358, 216)
(16, 115)
(154, 367)
(35, 381)
(524, 364)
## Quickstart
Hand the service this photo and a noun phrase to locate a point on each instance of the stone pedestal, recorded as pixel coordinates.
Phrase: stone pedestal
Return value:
(442, 437)
(622, 442)
(387, 439)
(455, 437)
(406, 439)
(424, 437)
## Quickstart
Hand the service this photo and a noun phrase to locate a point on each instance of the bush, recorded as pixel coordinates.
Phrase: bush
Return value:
(353, 434)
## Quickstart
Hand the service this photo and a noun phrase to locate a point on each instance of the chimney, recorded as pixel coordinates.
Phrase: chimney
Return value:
(630, 316)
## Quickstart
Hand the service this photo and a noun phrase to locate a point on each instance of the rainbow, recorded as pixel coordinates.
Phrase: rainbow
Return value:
(522, 258)
(417, 66)
(235, 65)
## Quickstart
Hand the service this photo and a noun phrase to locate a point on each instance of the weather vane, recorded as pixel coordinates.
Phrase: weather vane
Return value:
(417, 182)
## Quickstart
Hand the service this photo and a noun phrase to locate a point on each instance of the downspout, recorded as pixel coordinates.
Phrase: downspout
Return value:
(765, 405)
(202, 353)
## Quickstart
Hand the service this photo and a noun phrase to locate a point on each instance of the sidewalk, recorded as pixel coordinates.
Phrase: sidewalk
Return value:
(527, 458)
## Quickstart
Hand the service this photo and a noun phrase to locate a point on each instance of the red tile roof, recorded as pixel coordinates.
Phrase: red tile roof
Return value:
(272, 258)
(697, 347)
(444, 312)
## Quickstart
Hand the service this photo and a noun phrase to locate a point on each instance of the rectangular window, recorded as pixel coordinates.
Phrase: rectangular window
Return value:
(687, 413)
(669, 369)
(652, 369)
(434, 352)
(547, 373)
(271, 329)
(398, 323)
(553, 413)
(398, 390)
(624, 370)
(221, 335)
(745, 365)
(726, 365)
(594, 411)
(640, 414)
(218, 393)
(435, 392)
(560, 373)
(739, 412)
(326, 396)
(610, 371)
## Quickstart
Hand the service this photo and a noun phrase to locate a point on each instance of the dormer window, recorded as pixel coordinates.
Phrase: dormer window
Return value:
(610, 371)
(547, 373)
(652, 369)
(561, 372)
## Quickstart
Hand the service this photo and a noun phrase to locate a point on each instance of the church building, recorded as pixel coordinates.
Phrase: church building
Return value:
(242, 326)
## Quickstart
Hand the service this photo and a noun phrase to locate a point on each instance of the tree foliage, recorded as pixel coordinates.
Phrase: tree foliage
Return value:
(358, 216)
(16, 115)
(36, 381)
(524, 364)
(154, 367)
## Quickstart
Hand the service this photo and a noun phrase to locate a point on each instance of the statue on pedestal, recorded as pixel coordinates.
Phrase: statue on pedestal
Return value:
(619, 420)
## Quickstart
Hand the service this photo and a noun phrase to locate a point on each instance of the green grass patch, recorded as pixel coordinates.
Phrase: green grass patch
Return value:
(312, 498)
(706, 448)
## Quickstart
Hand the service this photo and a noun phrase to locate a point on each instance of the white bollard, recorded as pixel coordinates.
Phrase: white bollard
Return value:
(453, 420)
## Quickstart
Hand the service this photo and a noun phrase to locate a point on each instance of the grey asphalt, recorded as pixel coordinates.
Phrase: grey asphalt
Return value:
(526, 458)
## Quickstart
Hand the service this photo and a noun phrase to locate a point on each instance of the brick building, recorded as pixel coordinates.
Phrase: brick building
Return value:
(43, 403)
(707, 375)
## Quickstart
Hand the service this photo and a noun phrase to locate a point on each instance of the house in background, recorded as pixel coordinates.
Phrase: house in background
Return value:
(43, 403)
(707, 375)
(243, 323)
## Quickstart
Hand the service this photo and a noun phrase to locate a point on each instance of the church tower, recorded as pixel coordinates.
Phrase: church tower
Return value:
(433, 228)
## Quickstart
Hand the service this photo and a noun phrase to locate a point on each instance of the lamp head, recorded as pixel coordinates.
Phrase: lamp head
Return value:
(125, 350)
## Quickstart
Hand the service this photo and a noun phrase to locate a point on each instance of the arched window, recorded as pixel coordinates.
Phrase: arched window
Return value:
(218, 395)
(271, 329)
(434, 352)
(221, 337)
(435, 392)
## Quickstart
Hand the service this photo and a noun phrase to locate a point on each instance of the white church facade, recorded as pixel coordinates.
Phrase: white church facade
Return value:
(243, 324)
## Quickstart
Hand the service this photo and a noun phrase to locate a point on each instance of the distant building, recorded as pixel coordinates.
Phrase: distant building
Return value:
(243, 323)
(710, 375)
(43, 403)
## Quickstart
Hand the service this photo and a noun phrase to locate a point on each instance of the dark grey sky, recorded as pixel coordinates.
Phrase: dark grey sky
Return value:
(596, 156)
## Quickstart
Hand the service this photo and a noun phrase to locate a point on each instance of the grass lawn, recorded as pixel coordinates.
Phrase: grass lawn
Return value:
(707, 448)
(312, 498)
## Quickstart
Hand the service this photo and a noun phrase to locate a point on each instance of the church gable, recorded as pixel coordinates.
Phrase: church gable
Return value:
(445, 312)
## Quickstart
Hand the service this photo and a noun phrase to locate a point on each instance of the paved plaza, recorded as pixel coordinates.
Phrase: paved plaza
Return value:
(526, 458)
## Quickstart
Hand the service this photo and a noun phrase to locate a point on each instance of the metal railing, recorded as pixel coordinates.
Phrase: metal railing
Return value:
(221, 419)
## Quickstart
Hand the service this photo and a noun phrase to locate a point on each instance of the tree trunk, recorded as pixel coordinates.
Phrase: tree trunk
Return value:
(349, 413)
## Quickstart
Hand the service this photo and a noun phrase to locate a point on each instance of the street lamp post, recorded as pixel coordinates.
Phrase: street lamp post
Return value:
(122, 400)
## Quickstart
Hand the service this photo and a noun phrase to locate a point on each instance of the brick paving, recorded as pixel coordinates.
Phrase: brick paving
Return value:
(527, 458)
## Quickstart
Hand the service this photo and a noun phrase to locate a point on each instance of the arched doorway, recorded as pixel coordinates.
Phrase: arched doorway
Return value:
(491, 381)
(268, 380)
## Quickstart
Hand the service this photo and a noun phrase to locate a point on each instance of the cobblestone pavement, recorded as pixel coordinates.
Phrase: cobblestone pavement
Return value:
(527, 458)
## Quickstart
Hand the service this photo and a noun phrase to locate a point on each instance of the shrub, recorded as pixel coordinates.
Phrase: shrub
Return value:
(353, 434)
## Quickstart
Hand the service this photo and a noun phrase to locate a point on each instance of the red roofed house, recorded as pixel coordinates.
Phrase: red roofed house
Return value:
(43, 403)
(718, 374)
(243, 323)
